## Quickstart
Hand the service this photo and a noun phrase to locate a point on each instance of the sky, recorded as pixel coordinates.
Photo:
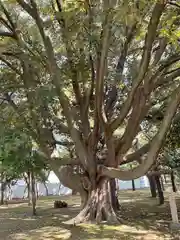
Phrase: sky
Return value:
(52, 178)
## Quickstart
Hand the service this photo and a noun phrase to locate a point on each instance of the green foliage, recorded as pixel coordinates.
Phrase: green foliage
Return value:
(172, 146)
(16, 152)
(173, 138)
(75, 33)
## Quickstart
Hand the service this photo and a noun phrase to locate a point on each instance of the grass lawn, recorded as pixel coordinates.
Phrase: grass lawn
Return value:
(142, 218)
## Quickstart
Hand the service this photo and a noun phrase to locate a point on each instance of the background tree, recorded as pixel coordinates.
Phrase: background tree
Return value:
(18, 159)
(13, 151)
(172, 151)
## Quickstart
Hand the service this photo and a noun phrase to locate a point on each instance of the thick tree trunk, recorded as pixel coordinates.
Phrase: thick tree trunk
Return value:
(160, 191)
(152, 186)
(99, 206)
(173, 182)
(33, 193)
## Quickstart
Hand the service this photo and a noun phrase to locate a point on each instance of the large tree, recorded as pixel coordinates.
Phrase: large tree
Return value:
(92, 73)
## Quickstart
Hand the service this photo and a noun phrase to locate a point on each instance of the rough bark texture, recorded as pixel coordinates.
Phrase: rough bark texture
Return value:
(173, 182)
(114, 195)
(98, 204)
(98, 207)
(152, 186)
(160, 191)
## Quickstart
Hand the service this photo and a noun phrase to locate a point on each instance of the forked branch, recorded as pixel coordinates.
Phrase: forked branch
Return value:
(154, 148)
(149, 39)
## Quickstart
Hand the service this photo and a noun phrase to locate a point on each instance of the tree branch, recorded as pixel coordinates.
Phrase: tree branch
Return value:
(5, 23)
(112, 92)
(54, 72)
(6, 34)
(139, 110)
(165, 64)
(64, 143)
(121, 61)
(173, 3)
(136, 156)
(16, 109)
(10, 65)
(159, 172)
(149, 39)
(167, 78)
(8, 16)
(99, 113)
(154, 148)
(160, 50)
(72, 66)
(65, 161)
(101, 63)
(88, 94)
(62, 128)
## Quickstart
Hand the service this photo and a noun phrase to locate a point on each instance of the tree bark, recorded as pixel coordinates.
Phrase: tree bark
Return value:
(152, 186)
(28, 182)
(29, 194)
(159, 189)
(47, 192)
(114, 195)
(74, 192)
(162, 183)
(99, 206)
(156, 144)
(173, 182)
(133, 185)
(33, 193)
(2, 194)
(24, 194)
(37, 191)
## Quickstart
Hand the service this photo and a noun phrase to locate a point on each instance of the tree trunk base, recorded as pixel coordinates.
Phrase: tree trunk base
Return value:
(98, 208)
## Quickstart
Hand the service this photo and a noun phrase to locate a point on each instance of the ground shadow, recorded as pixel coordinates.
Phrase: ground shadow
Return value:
(141, 216)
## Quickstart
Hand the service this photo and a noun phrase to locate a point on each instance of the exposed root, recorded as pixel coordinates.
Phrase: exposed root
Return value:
(80, 218)
(98, 208)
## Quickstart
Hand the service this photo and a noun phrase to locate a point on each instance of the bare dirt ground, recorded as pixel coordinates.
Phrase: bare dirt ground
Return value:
(142, 219)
